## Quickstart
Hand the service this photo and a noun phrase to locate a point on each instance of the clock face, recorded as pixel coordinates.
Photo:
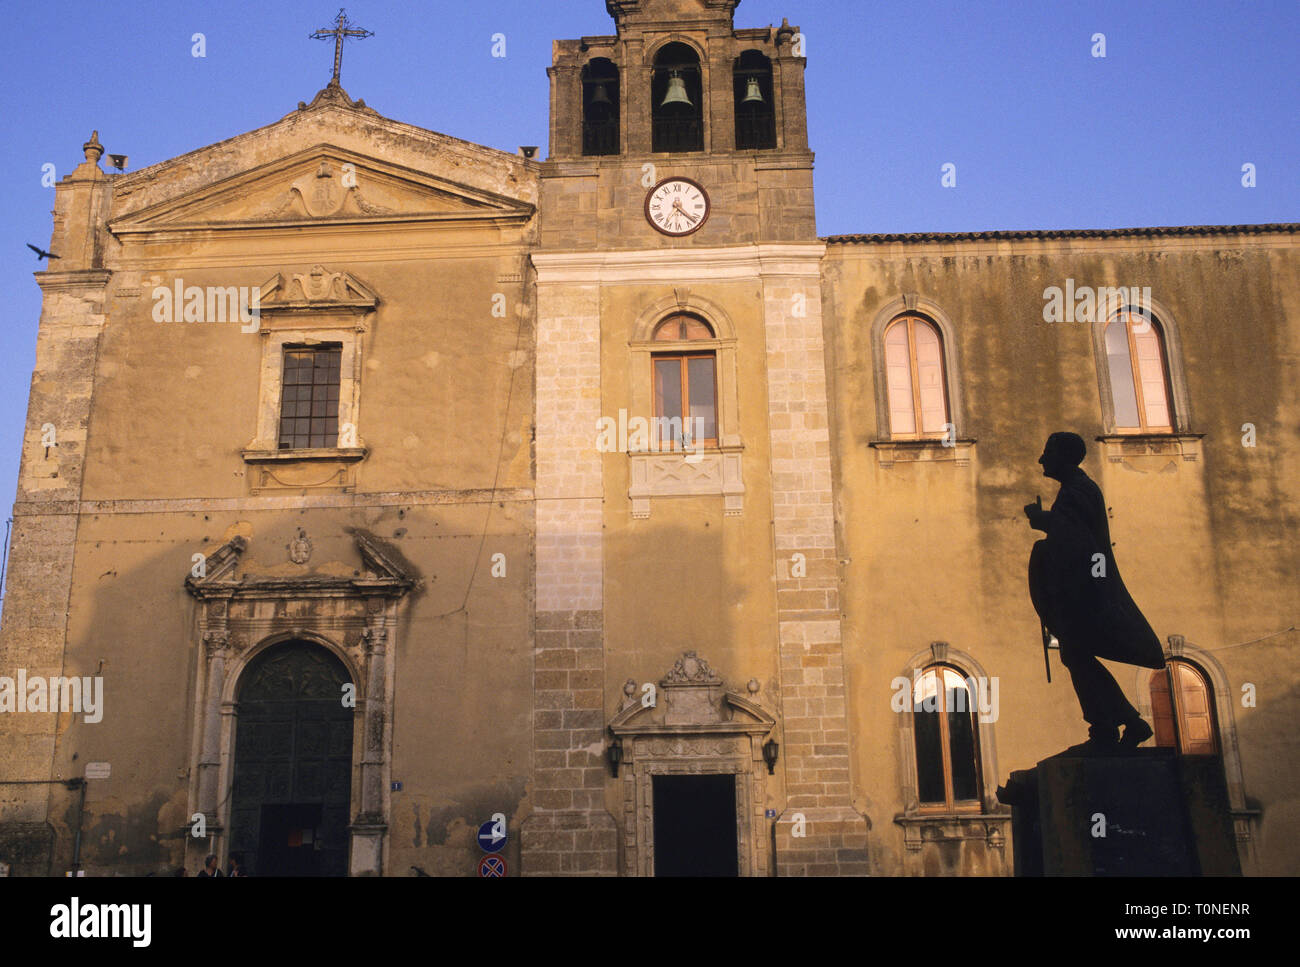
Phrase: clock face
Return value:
(677, 206)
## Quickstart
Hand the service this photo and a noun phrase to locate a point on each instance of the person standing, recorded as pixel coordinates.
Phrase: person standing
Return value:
(210, 867)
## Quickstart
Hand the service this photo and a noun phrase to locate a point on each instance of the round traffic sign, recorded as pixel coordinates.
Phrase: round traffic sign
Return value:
(492, 866)
(492, 836)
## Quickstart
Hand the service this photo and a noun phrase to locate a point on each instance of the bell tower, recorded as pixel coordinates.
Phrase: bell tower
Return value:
(678, 91)
(678, 277)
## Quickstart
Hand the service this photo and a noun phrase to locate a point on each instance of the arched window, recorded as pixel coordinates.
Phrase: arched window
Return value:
(914, 372)
(1182, 706)
(1137, 363)
(600, 107)
(685, 386)
(755, 106)
(677, 100)
(947, 741)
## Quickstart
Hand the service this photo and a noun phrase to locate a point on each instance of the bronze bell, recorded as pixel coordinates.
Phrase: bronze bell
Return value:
(601, 96)
(676, 91)
(754, 94)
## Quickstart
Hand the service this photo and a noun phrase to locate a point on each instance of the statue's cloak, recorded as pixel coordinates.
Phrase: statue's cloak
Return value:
(1095, 613)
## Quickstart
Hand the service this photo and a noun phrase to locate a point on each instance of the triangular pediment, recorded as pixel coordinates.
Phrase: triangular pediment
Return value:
(324, 184)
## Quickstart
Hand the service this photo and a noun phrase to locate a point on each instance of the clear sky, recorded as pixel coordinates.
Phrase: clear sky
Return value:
(1042, 133)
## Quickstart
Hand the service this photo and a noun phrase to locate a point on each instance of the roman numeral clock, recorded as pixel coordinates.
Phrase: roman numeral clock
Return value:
(677, 207)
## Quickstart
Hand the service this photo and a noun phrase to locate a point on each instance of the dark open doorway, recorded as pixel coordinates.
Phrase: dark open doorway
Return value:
(287, 841)
(695, 825)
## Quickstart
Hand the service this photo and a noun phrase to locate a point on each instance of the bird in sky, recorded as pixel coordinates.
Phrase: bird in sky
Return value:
(41, 253)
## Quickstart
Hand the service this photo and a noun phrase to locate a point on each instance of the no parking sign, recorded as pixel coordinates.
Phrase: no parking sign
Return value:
(492, 866)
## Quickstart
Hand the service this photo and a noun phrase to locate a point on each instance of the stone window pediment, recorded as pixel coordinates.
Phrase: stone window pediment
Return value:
(315, 308)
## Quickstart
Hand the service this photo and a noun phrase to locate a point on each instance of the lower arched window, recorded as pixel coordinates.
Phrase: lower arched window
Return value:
(944, 711)
(1182, 706)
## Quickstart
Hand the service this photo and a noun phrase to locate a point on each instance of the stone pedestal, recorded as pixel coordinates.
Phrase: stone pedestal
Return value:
(1145, 812)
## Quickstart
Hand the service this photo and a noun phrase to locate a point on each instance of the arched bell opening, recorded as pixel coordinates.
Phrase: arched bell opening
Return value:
(600, 107)
(677, 100)
(755, 102)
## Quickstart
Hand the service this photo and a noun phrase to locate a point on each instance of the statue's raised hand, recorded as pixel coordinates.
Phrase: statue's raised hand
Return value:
(1037, 516)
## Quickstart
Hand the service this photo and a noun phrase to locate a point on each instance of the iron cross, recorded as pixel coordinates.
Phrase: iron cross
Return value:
(342, 28)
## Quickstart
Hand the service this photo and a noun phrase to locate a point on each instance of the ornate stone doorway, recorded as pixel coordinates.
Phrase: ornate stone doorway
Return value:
(293, 764)
(349, 621)
(695, 730)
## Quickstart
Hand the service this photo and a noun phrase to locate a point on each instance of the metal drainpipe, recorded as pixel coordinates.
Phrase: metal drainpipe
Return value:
(81, 809)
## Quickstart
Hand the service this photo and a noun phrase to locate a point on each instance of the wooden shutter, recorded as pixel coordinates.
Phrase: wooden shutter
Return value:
(1162, 711)
(1195, 711)
(898, 374)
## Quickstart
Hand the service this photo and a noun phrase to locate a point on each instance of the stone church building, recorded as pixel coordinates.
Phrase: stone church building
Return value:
(385, 486)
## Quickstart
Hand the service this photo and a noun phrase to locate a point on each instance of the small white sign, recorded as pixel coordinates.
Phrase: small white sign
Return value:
(98, 770)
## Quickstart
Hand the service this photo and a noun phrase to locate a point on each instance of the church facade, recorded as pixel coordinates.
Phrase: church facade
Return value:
(406, 501)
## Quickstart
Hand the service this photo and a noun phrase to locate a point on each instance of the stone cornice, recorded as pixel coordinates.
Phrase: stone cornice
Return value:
(75, 279)
(165, 505)
(678, 265)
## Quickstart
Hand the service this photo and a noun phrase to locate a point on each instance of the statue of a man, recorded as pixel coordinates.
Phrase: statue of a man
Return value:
(1080, 598)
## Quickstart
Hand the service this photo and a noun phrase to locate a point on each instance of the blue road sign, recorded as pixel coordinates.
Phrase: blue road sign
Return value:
(492, 836)
(492, 866)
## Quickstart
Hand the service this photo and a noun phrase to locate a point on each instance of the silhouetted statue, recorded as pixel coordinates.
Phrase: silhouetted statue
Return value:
(1080, 598)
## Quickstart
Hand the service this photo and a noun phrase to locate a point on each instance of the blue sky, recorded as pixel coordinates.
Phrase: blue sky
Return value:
(1043, 134)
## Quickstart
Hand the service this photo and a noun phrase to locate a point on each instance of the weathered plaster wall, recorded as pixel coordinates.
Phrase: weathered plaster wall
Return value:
(937, 551)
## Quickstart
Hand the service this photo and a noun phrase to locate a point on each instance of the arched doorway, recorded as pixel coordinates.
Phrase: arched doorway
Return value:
(292, 786)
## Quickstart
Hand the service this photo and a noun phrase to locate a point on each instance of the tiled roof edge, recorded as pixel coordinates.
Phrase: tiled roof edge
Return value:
(1284, 228)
